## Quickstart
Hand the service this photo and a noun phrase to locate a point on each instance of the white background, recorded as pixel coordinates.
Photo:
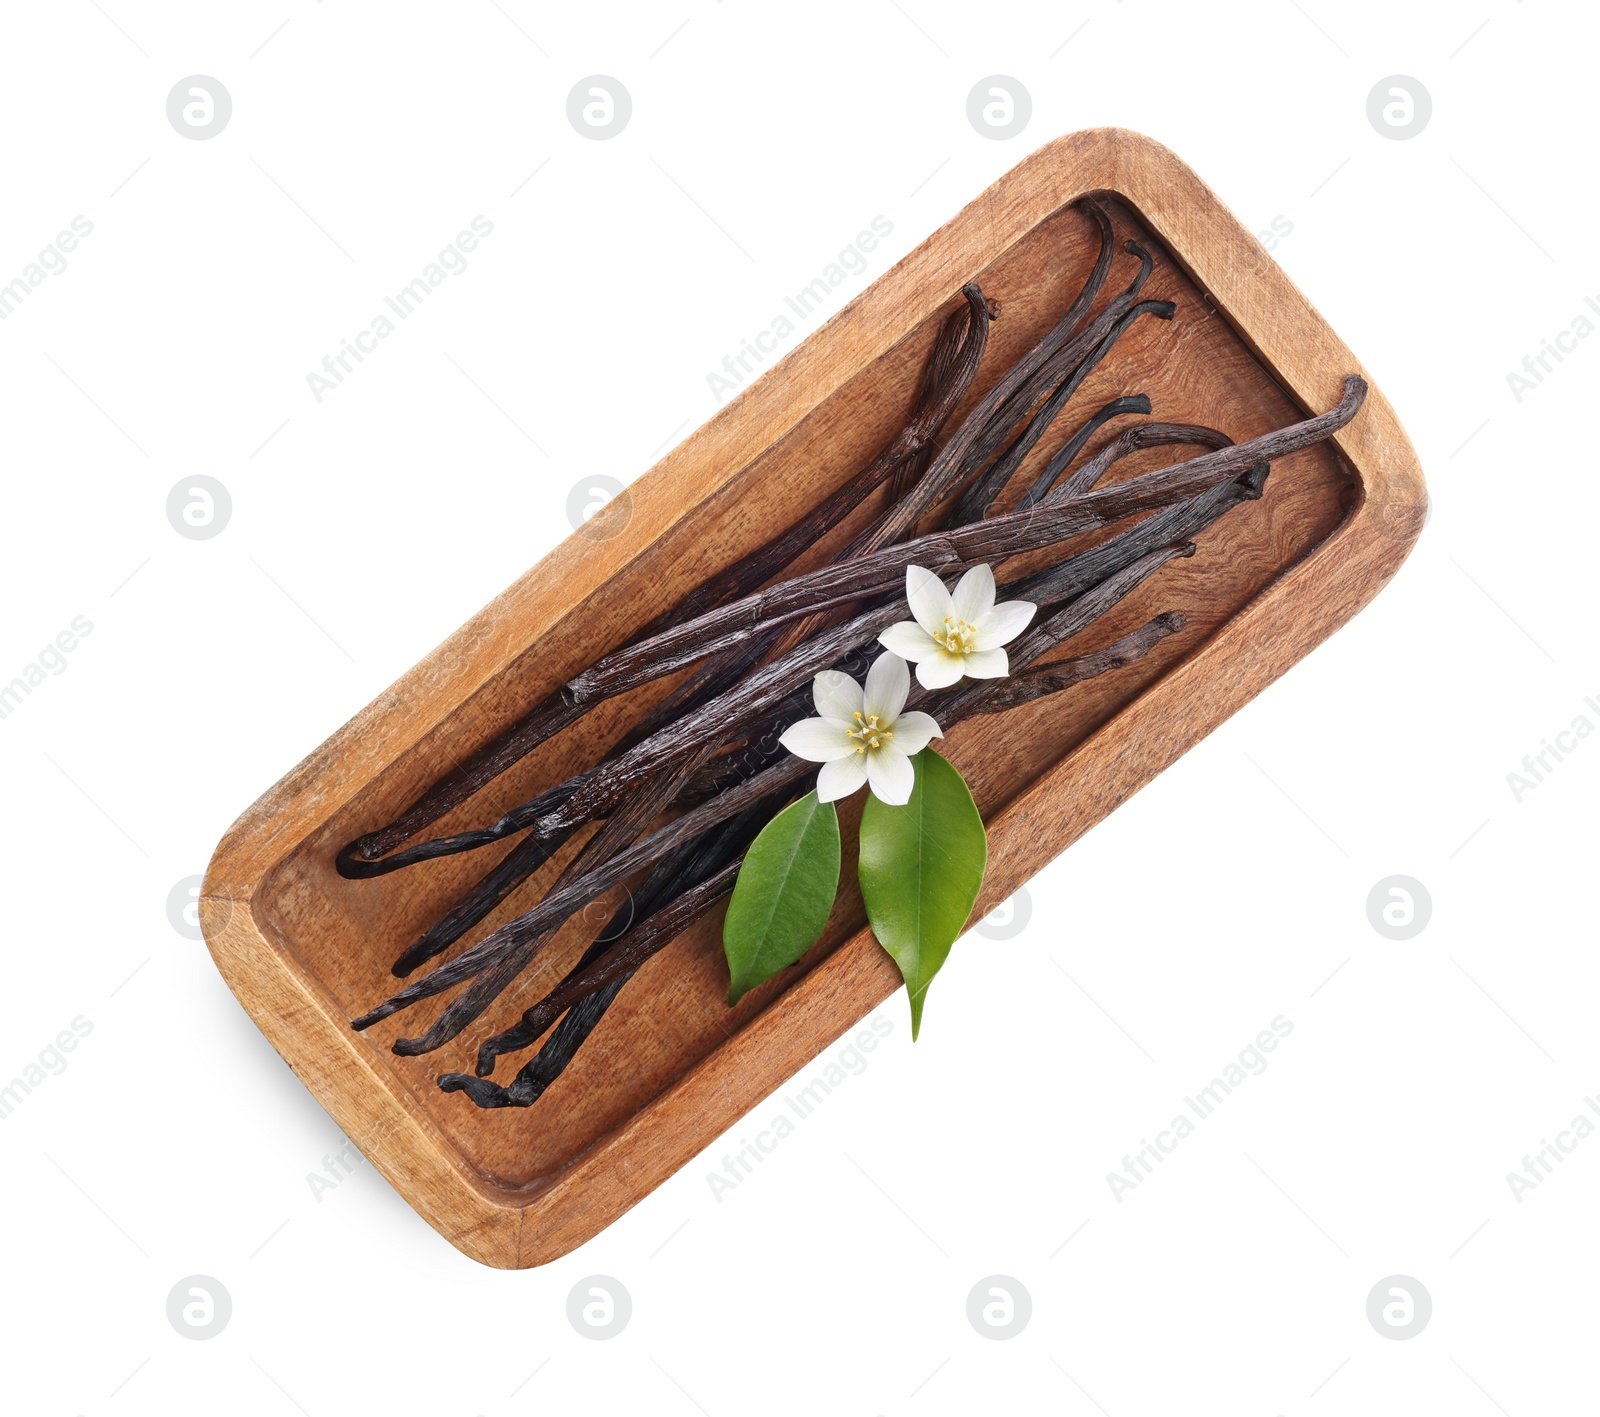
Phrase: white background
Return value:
(763, 137)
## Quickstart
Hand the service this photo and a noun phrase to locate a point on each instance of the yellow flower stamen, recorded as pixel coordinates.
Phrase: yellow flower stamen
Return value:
(957, 635)
(869, 734)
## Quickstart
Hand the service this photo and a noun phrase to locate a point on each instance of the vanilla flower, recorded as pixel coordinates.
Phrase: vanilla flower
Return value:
(959, 634)
(863, 737)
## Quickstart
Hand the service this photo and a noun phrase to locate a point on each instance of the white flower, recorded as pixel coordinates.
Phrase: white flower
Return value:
(956, 634)
(863, 737)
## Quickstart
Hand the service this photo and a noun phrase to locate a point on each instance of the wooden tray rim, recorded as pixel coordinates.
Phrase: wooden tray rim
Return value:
(517, 1228)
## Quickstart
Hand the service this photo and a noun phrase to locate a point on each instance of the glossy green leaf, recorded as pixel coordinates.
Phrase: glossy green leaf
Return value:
(783, 895)
(921, 867)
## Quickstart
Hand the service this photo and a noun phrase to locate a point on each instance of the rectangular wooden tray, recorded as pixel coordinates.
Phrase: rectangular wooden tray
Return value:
(671, 1066)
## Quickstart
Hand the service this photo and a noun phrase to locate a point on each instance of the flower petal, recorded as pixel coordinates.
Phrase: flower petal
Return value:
(841, 777)
(908, 640)
(928, 599)
(974, 595)
(836, 695)
(817, 740)
(913, 730)
(891, 775)
(888, 683)
(940, 671)
(988, 664)
(1003, 624)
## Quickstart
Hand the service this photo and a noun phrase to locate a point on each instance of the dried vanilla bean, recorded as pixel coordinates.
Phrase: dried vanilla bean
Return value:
(584, 1016)
(1037, 680)
(679, 891)
(527, 857)
(621, 830)
(518, 865)
(1115, 323)
(563, 899)
(473, 838)
(938, 400)
(952, 367)
(1003, 408)
(1049, 586)
(714, 678)
(994, 539)
(991, 540)
(940, 362)
(1136, 403)
(640, 943)
(1168, 527)
(766, 688)
(600, 968)
(709, 748)
(1047, 376)
(761, 746)
(1130, 440)
(677, 754)
(882, 571)
(943, 474)
(1077, 615)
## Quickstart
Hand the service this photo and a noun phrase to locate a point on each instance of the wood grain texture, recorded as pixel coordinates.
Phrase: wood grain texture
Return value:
(671, 1067)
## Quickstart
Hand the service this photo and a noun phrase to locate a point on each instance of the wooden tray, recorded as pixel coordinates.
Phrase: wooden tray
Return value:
(671, 1066)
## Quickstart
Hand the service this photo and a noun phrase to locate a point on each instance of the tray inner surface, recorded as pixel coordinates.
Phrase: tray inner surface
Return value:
(344, 934)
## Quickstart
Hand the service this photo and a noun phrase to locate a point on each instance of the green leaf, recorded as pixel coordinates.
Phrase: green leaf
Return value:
(921, 867)
(783, 895)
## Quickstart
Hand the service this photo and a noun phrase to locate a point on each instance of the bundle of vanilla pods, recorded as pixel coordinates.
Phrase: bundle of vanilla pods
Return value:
(676, 803)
